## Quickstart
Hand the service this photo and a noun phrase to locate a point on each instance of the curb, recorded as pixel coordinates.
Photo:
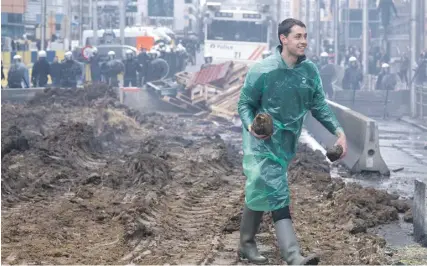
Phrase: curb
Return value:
(414, 123)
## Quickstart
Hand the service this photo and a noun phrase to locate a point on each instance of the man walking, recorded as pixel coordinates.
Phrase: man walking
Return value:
(286, 86)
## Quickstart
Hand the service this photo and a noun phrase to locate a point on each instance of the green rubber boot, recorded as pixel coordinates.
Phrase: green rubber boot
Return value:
(249, 226)
(288, 244)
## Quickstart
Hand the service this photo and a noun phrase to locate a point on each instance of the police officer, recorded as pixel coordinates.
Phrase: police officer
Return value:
(191, 47)
(386, 80)
(41, 69)
(113, 67)
(158, 68)
(17, 74)
(208, 61)
(144, 61)
(2, 73)
(181, 57)
(95, 65)
(327, 74)
(70, 71)
(421, 70)
(353, 76)
(315, 60)
(149, 70)
(55, 72)
(131, 68)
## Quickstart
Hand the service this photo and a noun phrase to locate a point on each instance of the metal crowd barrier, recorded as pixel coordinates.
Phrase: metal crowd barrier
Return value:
(421, 100)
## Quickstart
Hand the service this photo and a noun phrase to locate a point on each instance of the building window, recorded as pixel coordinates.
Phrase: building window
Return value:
(14, 18)
(188, 1)
(3, 18)
(160, 8)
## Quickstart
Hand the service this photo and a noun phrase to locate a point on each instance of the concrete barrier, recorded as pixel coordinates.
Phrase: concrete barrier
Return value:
(419, 211)
(123, 90)
(362, 139)
(18, 96)
(21, 96)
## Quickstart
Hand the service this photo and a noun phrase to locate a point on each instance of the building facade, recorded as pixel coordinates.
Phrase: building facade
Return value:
(179, 15)
(63, 17)
(12, 18)
(54, 18)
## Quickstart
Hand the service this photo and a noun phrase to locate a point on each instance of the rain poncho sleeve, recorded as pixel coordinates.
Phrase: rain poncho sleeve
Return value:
(250, 97)
(286, 94)
(321, 111)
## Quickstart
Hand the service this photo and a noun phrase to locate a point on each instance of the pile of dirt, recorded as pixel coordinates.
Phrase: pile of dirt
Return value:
(77, 181)
(75, 97)
(87, 180)
(331, 218)
(336, 215)
(67, 138)
(360, 208)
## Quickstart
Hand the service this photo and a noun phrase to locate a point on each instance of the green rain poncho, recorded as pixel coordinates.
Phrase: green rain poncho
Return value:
(287, 94)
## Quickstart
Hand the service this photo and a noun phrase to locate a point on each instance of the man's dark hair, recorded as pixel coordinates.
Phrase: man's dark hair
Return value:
(286, 26)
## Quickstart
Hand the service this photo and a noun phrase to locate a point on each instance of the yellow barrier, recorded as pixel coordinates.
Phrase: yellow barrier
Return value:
(8, 56)
(30, 70)
(29, 57)
(60, 55)
(87, 74)
(5, 58)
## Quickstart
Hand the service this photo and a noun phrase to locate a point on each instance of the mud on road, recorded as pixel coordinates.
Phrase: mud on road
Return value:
(86, 180)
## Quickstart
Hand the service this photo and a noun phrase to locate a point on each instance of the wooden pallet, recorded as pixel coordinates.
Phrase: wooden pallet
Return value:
(201, 93)
(217, 111)
(176, 102)
(224, 95)
(157, 86)
(236, 78)
(211, 91)
(197, 94)
(184, 78)
(230, 104)
(187, 101)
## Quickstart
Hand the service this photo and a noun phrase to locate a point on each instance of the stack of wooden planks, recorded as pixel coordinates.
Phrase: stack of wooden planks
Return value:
(215, 89)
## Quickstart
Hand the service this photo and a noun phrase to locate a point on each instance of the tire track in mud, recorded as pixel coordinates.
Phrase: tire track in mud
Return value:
(227, 251)
(188, 225)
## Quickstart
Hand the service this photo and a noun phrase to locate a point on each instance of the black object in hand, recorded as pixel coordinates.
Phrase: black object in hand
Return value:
(334, 153)
(263, 125)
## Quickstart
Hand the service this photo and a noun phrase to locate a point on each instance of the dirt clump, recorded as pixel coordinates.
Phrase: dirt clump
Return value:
(13, 140)
(334, 153)
(263, 124)
(408, 216)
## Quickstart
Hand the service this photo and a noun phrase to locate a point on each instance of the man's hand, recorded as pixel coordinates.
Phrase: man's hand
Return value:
(342, 141)
(256, 135)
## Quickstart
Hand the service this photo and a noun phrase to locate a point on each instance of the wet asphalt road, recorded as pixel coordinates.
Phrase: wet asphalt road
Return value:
(402, 148)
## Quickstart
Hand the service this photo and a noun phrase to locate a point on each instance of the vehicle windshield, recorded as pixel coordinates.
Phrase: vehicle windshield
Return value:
(243, 31)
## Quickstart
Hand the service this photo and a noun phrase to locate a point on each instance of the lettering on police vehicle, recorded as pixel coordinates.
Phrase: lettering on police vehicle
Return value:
(221, 46)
